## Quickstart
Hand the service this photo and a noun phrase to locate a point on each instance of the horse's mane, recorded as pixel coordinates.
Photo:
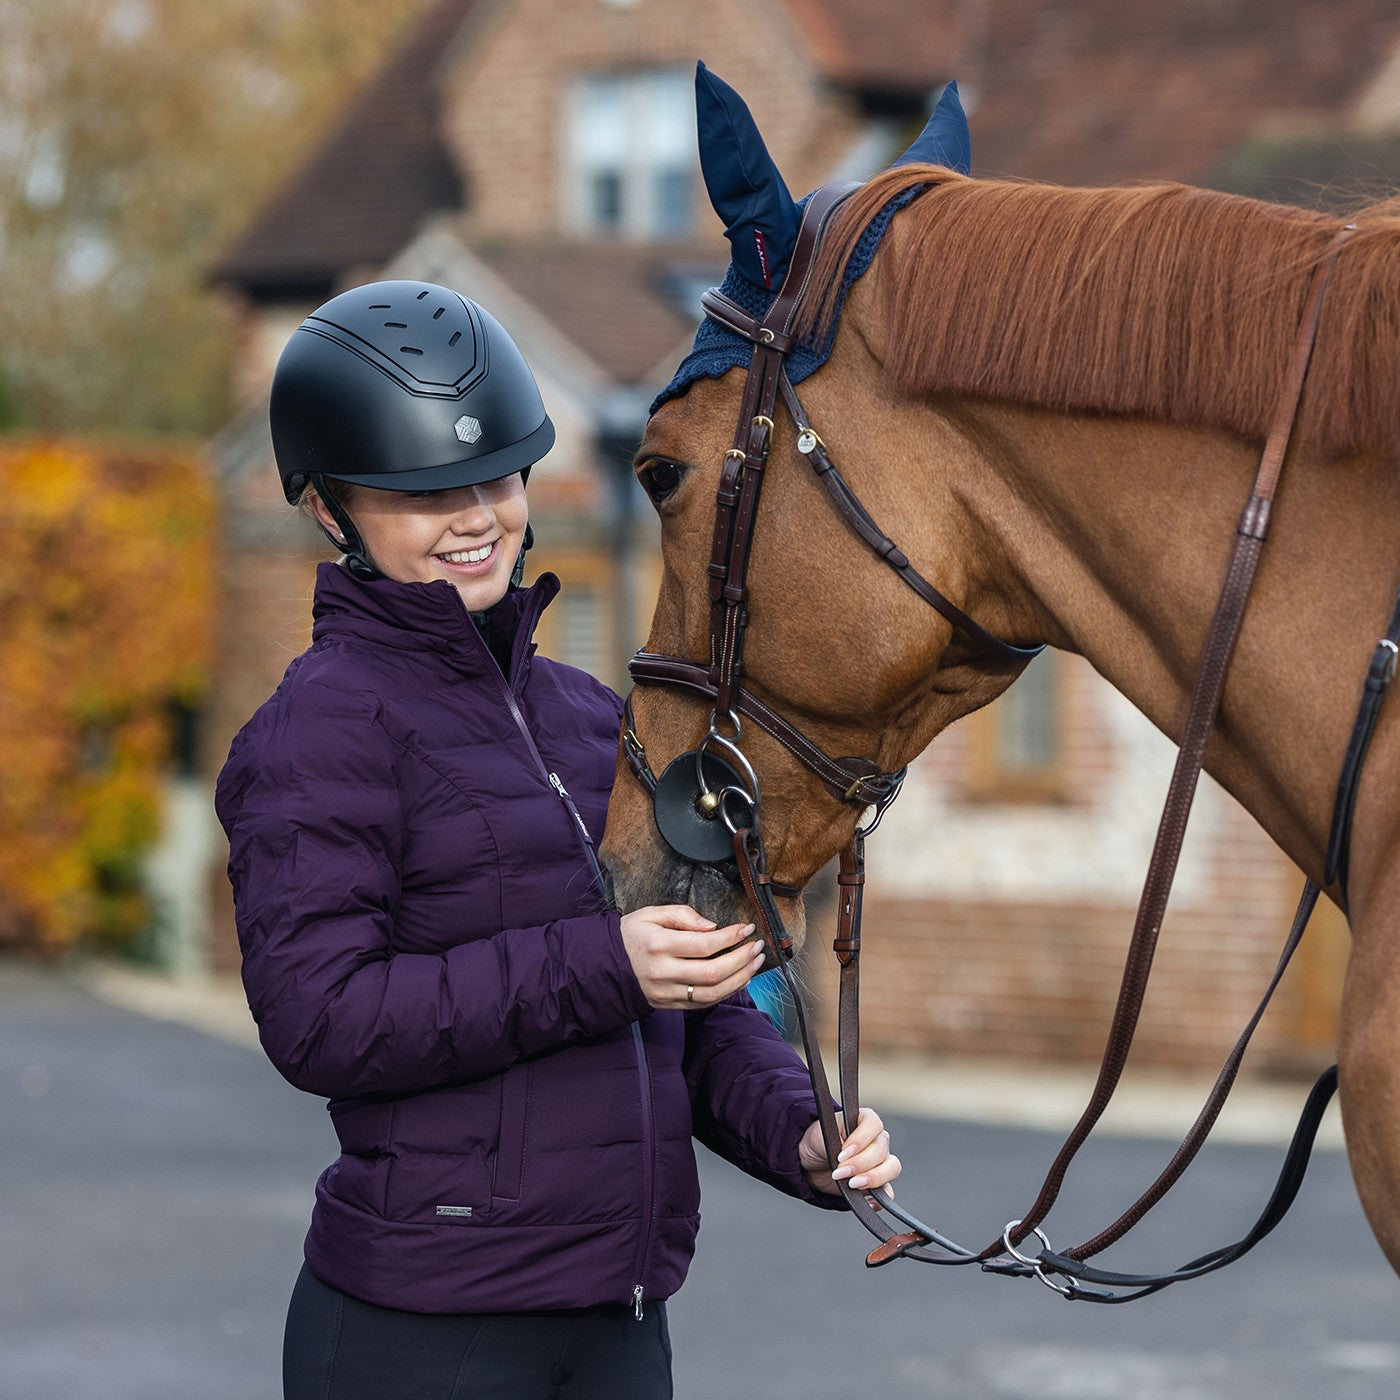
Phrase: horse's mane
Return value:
(1159, 301)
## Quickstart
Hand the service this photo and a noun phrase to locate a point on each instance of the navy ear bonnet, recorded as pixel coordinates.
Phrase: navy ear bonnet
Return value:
(761, 221)
(717, 350)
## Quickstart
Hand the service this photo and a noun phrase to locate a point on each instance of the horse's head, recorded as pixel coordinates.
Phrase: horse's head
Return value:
(835, 641)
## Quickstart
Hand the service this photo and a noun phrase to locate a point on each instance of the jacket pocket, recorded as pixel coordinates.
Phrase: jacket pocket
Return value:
(361, 1176)
(507, 1177)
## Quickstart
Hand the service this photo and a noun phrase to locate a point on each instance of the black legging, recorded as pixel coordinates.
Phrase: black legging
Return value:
(339, 1348)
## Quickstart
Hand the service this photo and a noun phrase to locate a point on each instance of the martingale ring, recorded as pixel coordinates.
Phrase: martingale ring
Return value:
(1063, 1289)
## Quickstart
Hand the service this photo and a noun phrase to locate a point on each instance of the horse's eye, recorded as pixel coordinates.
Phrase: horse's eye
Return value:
(660, 479)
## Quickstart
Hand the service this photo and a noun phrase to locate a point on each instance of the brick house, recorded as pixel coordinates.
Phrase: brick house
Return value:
(540, 156)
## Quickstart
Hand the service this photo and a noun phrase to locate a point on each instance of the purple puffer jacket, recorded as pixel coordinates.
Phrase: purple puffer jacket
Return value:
(425, 944)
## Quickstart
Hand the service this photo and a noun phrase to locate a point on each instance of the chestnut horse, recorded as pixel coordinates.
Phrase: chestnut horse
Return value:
(1054, 400)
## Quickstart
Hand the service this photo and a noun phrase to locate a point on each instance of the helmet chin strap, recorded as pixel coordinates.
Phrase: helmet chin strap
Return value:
(517, 574)
(357, 558)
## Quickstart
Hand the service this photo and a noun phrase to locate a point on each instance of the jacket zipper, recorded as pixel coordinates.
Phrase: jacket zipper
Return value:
(557, 784)
(639, 1045)
(643, 1074)
(648, 1167)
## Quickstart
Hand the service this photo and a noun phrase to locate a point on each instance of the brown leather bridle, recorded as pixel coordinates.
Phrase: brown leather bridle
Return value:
(716, 784)
(858, 781)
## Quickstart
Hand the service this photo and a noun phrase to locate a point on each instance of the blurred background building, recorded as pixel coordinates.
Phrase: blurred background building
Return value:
(539, 155)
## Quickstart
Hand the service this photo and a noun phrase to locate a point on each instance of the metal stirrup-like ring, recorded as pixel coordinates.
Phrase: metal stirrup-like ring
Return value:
(1065, 1290)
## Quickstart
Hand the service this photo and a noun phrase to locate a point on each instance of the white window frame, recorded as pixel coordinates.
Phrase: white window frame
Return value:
(639, 128)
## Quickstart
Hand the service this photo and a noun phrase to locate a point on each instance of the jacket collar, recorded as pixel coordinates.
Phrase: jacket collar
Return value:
(426, 617)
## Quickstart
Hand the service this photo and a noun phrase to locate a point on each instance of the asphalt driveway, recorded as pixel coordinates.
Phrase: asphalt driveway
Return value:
(155, 1183)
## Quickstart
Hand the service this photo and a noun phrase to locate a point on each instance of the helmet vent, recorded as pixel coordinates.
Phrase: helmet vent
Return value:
(428, 339)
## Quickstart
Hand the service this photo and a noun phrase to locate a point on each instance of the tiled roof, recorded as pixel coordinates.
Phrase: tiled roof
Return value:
(385, 167)
(624, 305)
(365, 192)
(901, 46)
(1101, 91)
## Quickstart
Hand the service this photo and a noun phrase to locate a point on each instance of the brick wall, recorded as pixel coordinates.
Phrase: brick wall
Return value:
(266, 574)
(505, 86)
(999, 929)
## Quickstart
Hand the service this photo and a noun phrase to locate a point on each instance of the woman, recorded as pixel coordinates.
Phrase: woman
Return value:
(514, 1071)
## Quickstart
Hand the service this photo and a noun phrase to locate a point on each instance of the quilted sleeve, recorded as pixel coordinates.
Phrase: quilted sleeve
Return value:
(310, 803)
(751, 1098)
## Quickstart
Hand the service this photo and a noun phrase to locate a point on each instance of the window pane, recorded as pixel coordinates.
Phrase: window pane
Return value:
(1028, 719)
(665, 131)
(582, 642)
(596, 152)
(598, 127)
(630, 145)
(671, 203)
(605, 200)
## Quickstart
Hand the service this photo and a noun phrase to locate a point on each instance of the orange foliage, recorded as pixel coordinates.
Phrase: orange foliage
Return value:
(105, 620)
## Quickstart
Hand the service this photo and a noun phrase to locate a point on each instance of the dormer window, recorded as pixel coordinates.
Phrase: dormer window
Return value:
(630, 151)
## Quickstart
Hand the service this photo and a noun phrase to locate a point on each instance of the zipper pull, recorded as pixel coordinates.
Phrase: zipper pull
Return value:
(557, 784)
(637, 1302)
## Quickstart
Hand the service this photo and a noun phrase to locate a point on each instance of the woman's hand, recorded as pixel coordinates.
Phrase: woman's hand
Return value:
(682, 960)
(865, 1161)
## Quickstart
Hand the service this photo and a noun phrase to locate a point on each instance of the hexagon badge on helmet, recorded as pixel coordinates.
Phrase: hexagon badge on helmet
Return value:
(468, 430)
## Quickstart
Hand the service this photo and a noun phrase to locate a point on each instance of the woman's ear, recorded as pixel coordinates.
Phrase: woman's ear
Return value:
(322, 516)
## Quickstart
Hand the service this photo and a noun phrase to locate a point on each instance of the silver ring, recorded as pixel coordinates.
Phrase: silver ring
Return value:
(1016, 1253)
(690, 993)
(1065, 1290)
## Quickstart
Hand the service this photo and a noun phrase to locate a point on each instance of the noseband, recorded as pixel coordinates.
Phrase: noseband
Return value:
(707, 803)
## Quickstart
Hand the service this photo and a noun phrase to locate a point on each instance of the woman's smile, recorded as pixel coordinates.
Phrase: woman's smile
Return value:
(469, 563)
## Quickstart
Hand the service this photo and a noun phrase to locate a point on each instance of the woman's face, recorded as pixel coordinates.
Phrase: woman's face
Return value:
(469, 535)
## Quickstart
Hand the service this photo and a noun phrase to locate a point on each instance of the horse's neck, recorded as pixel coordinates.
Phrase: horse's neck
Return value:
(1122, 533)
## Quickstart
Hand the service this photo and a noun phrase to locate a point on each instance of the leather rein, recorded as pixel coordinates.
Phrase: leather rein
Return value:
(707, 802)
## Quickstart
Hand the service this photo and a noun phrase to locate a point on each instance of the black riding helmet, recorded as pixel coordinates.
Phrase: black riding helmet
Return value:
(402, 386)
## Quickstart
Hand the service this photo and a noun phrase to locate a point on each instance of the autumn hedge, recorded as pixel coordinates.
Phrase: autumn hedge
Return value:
(105, 625)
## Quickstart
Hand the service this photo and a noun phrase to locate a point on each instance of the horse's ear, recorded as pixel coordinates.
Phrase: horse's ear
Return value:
(760, 217)
(945, 140)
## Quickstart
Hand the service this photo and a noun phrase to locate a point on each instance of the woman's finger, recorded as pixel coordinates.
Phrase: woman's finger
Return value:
(710, 972)
(865, 1161)
(878, 1177)
(708, 982)
(867, 1130)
